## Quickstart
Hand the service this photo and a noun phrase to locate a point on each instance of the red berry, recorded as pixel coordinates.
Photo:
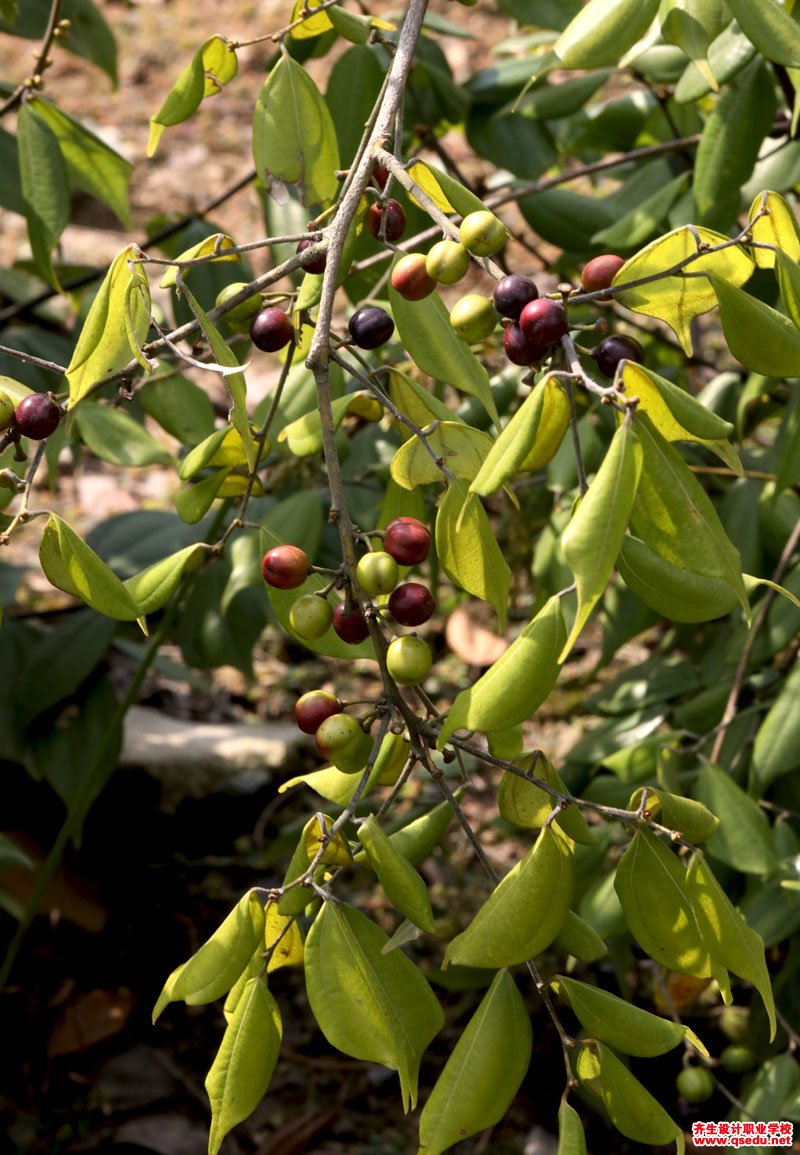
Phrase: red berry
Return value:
(285, 567)
(410, 277)
(600, 272)
(395, 216)
(518, 349)
(380, 175)
(411, 604)
(37, 416)
(407, 540)
(317, 266)
(313, 708)
(543, 321)
(512, 294)
(370, 327)
(271, 329)
(614, 349)
(349, 623)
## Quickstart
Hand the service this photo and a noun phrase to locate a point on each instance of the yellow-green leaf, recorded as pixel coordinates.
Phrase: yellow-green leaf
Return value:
(603, 31)
(209, 70)
(631, 1108)
(216, 243)
(459, 447)
(777, 228)
(764, 340)
(72, 566)
(467, 549)
(403, 886)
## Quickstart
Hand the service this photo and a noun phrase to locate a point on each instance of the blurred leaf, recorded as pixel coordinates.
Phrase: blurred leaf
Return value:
(212, 67)
(43, 177)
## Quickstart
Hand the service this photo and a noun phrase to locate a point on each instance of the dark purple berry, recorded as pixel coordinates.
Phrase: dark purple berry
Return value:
(317, 266)
(518, 349)
(543, 321)
(614, 349)
(271, 329)
(37, 416)
(370, 327)
(411, 604)
(349, 623)
(395, 220)
(512, 294)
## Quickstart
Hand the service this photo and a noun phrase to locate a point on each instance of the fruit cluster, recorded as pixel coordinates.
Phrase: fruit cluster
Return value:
(36, 416)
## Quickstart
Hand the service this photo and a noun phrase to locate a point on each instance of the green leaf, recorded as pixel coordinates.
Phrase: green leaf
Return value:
(104, 344)
(631, 1108)
(89, 35)
(770, 28)
(294, 141)
(571, 1137)
(242, 1069)
(592, 540)
(603, 31)
(777, 228)
(744, 838)
(674, 516)
(483, 1073)
(514, 687)
(671, 590)
(193, 500)
(369, 1005)
(639, 223)
(425, 331)
(114, 435)
(620, 1024)
(460, 448)
(678, 298)
(691, 819)
(70, 565)
(304, 436)
(651, 886)
(214, 968)
(179, 406)
(419, 838)
(789, 281)
(525, 911)
(776, 750)
(216, 243)
(580, 940)
(728, 54)
(764, 340)
(153, 587)
(234, 382)
(354, 85)
(523, 803)
(43, 175)
(467, 549)
(210, 69)
(729, 146)
(725, 933)
(91, 164)
(404, 888)
(447, 194)
(693, 25)
(529, 440)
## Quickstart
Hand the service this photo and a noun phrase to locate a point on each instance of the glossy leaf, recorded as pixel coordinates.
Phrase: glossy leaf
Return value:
(571, 1137)
(592, 540)
(43, 176)
(529, 440)
(419, 838)
(447, 194)
(294, 140)
(744, 838)
(242, 1069)
(620, 1024)
(580, 940)
(104, 344)
(770, 28)
(726, 934)
(691, 819)
(693, 25)
(404, 888)
(676, 414)
(525, 804)
(631, 1108)
(369, 1005)
(209, 70)
(525, 911)
(776, 750)
(153, 587)
(764, 340)
(651, 886)
(514, 687)
(425, 331)
(214, 968)
(70, 565)
(678, 298)
(777, 228)
(113, 435)
(603, 31)
(460, 448)
(483, 1073)
(670, 590)
(467, 549)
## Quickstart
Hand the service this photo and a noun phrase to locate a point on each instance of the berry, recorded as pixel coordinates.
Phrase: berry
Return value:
(6, 412)
(600, 272)
(310, 616)
(482, 233)
(240, 316)
(370, 327)
(518, 349)
(349, 623)
(447, 262)
(614, 349)
(341, 740)
(738, 1059)
(285, 567)
(695, 1084)
(313, 708)
(543, 321)
(380, 175)
(271, 329)
(377, 573)
(37, 416)
(410, 278)
(395, 216)
(317, 266)
(512, 294)
(473, 318)
(408, 660)
(411, 604)
(407, 540)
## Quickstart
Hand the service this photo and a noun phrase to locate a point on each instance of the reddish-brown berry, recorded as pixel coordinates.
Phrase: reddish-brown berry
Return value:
(411, 604)
(395, 216)
(543, 321)
(349, 623)
(407, 540)
(271, 329)
(37, 416)
(285, 567)
(313, 708)
(600, 272)
(518, 349)
(410, 277)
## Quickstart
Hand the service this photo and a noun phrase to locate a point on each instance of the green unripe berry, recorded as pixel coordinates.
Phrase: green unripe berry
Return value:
(738, 1059)
(341, 740)
(695, 1084)
(240, 316)
(447, 262)
(408, 660)
(377, 573)
(7, 409)
(473, 318)
(310, 616)
(482, 233)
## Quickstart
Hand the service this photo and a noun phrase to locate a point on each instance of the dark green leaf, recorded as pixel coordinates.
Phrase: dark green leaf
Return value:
(44, 189)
